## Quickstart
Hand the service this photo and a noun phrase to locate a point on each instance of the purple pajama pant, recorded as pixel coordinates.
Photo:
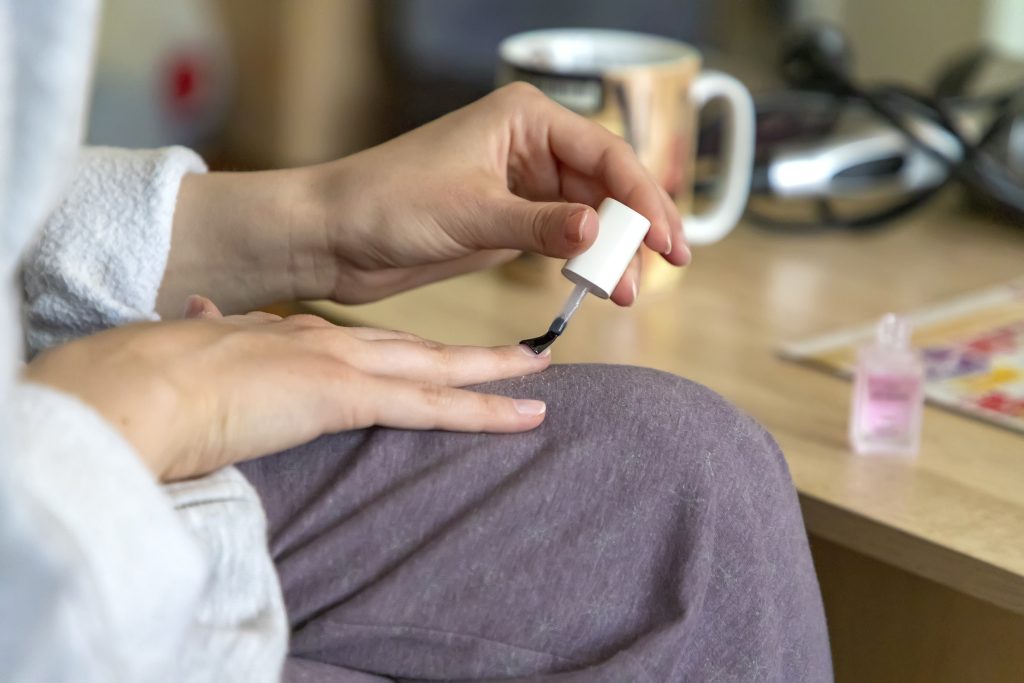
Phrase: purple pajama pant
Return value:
(648, 531)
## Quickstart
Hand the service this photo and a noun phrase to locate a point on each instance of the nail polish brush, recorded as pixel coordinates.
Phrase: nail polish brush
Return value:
(620, 232)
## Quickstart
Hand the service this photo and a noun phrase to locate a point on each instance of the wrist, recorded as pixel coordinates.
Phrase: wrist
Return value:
(137, 409)
(342, 198)
(247, 240)
(365, 227)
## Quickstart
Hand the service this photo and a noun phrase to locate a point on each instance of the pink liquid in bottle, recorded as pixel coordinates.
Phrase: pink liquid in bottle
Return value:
(888, 393)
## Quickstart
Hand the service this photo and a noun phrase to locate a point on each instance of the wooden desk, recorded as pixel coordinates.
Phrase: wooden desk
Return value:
(954, 515)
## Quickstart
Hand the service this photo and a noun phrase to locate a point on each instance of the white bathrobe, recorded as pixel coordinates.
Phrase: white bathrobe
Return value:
(104, 575)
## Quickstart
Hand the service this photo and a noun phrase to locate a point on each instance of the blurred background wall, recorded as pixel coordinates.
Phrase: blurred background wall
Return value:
(300, 81)
(270, 83)
(350, 74)
(902, 40)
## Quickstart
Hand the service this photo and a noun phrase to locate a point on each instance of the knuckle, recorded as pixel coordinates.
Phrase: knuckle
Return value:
(539, 228)
(620, 149)
(245, 343)
(307, 320)
(489, 409)
(446, 362)
(519, 90)
(341, 377)
(349, 388)
(438, 398)
(385, 333)
(261, 315)
(330, 341)
(336, 372)
(445, 355)
(407, 336)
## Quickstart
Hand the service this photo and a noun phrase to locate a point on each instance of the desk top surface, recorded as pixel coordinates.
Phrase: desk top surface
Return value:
(954, 514)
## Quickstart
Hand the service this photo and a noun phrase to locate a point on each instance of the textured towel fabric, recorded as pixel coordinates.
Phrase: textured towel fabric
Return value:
(104, 576)
(98, 263)
(647, 532)
(110, 535)
(100, 257)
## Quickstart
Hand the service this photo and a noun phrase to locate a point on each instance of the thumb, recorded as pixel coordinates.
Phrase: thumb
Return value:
(557, 229)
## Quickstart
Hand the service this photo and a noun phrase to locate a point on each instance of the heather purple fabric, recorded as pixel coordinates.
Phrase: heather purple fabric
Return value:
(648, 532)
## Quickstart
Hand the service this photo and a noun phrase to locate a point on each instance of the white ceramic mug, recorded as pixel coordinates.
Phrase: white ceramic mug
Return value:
(649, 89)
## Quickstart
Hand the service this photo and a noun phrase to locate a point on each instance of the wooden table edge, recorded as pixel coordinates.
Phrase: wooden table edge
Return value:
(913, 554)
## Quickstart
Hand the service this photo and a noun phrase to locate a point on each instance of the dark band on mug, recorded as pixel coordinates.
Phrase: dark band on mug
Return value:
(582, 93)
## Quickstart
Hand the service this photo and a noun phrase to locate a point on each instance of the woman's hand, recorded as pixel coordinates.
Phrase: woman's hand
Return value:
(513, 171)
(193, 396)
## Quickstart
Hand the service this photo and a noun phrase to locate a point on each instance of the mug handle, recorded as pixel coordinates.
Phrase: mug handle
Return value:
(733, 186)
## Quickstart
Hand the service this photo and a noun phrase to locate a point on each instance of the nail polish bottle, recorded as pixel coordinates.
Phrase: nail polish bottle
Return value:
(888, 392)
(621, 231)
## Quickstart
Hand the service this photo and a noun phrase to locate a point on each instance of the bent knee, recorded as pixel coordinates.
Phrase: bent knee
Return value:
(633, 410)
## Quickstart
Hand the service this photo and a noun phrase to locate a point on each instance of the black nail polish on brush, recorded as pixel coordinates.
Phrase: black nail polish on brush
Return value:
(621, 230)
(538, 344)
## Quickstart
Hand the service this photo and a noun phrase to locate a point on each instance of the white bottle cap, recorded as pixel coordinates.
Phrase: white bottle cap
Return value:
(620, 232)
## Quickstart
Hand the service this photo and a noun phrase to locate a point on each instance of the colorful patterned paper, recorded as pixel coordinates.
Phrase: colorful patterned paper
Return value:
(972, 347)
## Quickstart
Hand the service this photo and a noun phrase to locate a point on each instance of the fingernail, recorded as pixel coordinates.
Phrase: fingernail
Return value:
(529, 352)
(687, 254)
(636, 290)
(529, 407)
(668, 249)
(576, 224)
(193, 306)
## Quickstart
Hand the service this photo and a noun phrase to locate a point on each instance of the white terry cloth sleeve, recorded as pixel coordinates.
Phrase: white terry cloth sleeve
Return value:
(130, 573)
(153, 583)
(101, 255)
(98, 263)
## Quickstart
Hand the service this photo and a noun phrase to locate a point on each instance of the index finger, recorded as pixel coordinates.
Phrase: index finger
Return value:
(404, 404)
(593, 151)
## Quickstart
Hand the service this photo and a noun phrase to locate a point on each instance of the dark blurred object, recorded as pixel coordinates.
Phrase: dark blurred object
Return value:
(318, 79)
(810, 59)
(441, 54)
(308, 83)
(863, 156)
(991, 79)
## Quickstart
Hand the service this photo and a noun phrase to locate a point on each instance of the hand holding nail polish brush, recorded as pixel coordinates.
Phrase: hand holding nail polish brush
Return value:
(621, 230)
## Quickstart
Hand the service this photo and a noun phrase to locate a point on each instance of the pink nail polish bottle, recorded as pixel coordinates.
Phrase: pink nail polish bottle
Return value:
(888, 392)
